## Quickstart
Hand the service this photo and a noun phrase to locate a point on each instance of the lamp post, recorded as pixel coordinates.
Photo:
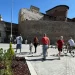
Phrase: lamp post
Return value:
(11, 20)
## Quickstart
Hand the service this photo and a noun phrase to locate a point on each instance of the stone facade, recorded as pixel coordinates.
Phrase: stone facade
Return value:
(33, 23)
(27, 14)
(34, 9)
(58, 13)
(2, 31)
(54, 29)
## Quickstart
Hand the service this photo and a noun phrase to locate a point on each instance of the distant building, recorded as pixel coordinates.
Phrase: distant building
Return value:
(8, 30)
(5, 30)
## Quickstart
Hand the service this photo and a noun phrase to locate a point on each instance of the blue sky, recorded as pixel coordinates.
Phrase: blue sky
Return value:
(5, 7)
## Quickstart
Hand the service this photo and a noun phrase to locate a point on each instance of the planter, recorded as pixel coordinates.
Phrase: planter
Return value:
(12, 65)
(19, 66)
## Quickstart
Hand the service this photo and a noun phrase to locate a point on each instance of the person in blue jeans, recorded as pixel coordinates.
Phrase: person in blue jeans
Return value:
(45, 42)
(19, 42)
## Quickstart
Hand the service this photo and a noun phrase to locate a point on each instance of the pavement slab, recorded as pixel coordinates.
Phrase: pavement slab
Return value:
(51, 66)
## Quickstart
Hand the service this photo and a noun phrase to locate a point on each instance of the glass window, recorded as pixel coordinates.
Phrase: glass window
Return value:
(0, 33)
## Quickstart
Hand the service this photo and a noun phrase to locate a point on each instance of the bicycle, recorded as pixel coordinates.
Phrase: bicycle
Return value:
(68, 49)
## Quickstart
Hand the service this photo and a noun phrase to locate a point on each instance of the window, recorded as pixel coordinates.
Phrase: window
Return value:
(0, 33)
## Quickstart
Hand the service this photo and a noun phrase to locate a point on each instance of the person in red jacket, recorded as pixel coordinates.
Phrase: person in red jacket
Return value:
(60, 44)
(45, 42)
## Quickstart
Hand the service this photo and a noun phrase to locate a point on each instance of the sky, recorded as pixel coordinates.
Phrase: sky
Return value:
(44, 5)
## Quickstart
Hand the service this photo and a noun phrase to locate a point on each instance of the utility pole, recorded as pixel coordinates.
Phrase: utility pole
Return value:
(11, 20)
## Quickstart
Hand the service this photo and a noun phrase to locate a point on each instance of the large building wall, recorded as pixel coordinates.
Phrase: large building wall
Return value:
(33, 24)
(54, 29)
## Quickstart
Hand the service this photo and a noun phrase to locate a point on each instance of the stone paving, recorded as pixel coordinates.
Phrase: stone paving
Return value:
(51, 66)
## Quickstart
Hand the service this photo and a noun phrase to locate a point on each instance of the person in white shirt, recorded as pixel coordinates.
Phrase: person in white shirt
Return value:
(71, 43)
(19, 42)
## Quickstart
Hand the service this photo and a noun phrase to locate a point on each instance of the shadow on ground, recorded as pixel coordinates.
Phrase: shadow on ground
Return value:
(34, 55)
(23, 53)
(40, 59)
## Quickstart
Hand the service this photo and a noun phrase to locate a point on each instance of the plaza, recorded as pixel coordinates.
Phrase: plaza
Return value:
(51, 66)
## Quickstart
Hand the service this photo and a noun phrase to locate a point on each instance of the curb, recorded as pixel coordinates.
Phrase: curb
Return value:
(31, 69)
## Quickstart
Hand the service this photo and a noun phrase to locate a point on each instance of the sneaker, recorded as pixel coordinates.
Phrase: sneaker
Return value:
(58, 58)
(69, 51)
(43, 59)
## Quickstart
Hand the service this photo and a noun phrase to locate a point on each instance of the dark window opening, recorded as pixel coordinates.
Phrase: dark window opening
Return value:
(0, 33)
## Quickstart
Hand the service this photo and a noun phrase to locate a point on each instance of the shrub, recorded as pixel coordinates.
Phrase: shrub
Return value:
(10, 52)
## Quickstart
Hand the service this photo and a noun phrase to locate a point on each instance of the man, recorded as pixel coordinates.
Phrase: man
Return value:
(45, 43)
(19, 42)
(60, 43)
(71, 44)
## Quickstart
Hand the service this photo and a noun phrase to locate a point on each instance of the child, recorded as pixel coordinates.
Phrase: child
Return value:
(30, 47)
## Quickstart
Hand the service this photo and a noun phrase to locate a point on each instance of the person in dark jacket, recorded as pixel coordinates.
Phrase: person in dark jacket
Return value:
(35, 42)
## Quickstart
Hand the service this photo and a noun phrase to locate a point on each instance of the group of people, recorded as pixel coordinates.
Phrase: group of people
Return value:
(45, 41)
(60, 43)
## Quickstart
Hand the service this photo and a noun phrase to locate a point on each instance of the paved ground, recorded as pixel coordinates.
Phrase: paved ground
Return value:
(51, 66)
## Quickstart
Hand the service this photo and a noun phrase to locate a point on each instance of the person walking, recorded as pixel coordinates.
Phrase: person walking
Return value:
(60, 43)
(18, 42)
(30, 47)
(45, 42)
(35, 42)
(71, 44)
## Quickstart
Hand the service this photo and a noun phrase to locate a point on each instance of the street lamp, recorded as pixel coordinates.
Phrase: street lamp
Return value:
(11, 20)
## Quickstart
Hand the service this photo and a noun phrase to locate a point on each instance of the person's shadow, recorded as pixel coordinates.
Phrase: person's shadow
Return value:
(41, 59)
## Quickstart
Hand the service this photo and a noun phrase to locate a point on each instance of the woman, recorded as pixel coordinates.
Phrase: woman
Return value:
(35, 42)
